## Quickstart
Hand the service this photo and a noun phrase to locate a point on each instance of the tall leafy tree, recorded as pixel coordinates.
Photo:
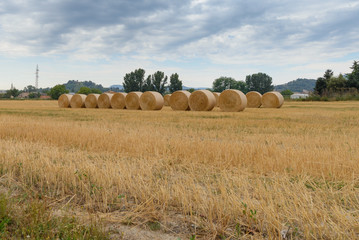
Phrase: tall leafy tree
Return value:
(259, 82)
(57, 90)
(175, 83)
(328, 74)
(336, 84)
(223, 83)
(353, 77)
(12, 92)
(134, 81)
(159, 81)
(321, 86)
(148, 86)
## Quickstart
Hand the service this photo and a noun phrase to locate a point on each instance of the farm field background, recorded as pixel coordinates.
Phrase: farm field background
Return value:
(261, 173)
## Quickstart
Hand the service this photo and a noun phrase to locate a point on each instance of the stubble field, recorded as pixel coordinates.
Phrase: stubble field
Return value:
(262, 173)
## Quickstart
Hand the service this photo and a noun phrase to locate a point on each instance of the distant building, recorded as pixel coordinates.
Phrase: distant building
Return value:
(299, 95)
(23, 95)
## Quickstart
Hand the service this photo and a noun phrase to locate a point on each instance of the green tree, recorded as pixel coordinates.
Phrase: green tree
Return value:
(259, 82)
(191, 90)
(353, 77)
(286, 92)
(175, 83)
(34, 95)
(159, 81)
(328, 74)
(87, 90)
(133, 81)
(57, 90)
(320, 85)
(12, 92)
(30, 89)
(336, 84)
(223, 83)
(148, 86)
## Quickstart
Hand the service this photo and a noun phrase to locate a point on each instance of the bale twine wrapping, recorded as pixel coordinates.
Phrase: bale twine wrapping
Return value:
(272, 100)
(118, 100)
(254, 99)
(216, 95)
(92, 100)
(104, 100)
(232, 100)
(151, 100)
(64, 100)
(202, 100)
(167, 98)
(78, 101)
(179, 100)
(132, 100)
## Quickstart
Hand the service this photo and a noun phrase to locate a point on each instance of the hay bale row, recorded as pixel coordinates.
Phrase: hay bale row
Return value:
(229, 100)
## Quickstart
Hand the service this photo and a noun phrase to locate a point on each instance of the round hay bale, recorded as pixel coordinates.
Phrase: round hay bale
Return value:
(232, 100)
(216, 95)
(78, 101)
(64, 100)
(167, 98)
(118, 100)
(132, 100)
(254, 99)
(151, 100)
(202, 100)
(92, 100)
(179, 100)
(104, 100)
(272, 100)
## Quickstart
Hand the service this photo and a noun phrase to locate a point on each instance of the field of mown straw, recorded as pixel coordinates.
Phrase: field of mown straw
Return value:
(260, 173)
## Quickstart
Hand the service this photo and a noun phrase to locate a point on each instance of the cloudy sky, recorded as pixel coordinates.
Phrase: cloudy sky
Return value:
(199, 39)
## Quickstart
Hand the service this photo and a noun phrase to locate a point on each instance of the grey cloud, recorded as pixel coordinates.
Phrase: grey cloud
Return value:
(168, 26)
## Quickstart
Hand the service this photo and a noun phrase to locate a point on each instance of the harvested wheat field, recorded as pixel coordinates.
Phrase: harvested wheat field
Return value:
(263, 173)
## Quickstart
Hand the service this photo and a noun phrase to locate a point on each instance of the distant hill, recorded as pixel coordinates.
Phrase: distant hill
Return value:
(75, 85)
(297, 85)
(120, 87)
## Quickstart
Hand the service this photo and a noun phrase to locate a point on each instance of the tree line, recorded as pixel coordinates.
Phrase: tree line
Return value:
(135, 81)
(329, 84)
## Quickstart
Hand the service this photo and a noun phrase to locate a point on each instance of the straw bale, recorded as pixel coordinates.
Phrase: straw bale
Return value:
(202, 100)
(64, 101)
(151, 100)
(132, 100)
(104, 100)
(232, 100)
(167, 98)
(179, 100)
(272, 100)
(216, 95)
(78, 101)
(254, 99)
(92, 100)
(118, 100)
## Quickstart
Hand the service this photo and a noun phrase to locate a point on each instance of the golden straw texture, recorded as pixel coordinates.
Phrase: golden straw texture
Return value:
(232, 100)
(118, 100)
(78, 101)
(179, 100)
(254, 99)
(132, 100)
(216, 95)
(91, 100)
(64, 100)
(104, 101)
(272, 100)
(202, 100)
(151, 100)
(167, 98)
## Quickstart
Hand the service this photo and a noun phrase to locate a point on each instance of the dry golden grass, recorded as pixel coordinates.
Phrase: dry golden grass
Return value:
(256, 174)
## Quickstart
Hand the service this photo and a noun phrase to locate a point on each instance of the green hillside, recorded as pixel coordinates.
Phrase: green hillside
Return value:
(297, 85)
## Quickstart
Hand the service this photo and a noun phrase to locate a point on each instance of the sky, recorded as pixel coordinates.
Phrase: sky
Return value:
(200, 40)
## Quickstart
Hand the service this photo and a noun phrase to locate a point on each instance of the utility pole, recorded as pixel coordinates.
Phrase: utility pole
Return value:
(37, 77)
